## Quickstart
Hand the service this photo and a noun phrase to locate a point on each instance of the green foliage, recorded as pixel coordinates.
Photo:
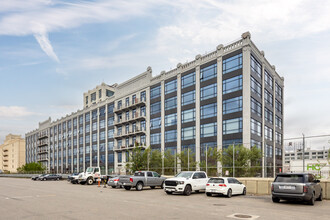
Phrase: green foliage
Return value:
(212, 158)
(247, 161)
(155, 160)
(170, 163)
(31, 168)
(187, 160)
(138, 159)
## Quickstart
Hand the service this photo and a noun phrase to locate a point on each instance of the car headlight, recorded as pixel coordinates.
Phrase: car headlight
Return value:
(180, 182)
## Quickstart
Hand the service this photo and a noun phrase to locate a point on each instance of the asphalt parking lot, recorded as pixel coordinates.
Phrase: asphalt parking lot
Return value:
(27, 199)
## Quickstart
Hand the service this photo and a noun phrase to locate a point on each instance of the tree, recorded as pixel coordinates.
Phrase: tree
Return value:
(170, 162)
(138, 159)
(209, 164)
(247, 161)
(187, 160)
(155, 160)
(31, 168)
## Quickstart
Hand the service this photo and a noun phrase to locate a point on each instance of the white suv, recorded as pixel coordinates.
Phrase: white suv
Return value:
(186, 182)
(225, 186)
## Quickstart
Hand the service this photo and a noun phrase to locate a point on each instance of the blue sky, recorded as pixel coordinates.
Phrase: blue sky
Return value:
(52, 51)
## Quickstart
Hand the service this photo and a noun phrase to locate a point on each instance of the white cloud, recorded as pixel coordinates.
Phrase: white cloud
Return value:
(46, 46)
(14, 112)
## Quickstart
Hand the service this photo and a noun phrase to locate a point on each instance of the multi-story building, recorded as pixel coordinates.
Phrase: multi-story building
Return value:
(12, 153)
(231, 95)
(297, 154)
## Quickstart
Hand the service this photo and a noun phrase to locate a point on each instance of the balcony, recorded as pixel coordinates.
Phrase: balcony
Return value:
(130, 133)
(5, 153)
(43, 142)
(43, 135)
(137, 117)
(40, 159)
(126, 106)
(42, 151)
(123, 148)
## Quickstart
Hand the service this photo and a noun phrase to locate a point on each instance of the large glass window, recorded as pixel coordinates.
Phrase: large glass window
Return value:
(278, 122)
(188, 98)
(155, 123)
(268, 115)
(278, 90)
(87, 139)
(170, 103)
(94, 114)
(255, 86)
(278, 137)
(143, 111)
(209, 130)
(170, 136)
(256, 107)
(268, 133)
(209, 72)
(170, 119)
(155, 92)
(188, 115)
(120, 155)
(110, 133)
(170, 86)
(232, 126)
(143, 96)
(87, 117)
(268, 98)
(188, 80)
(143, 125)
(94, 137)
(232, 105)
(232, 84)
(208, 111)
(102, 124)
(268, 80)
(111, 120)
(155, 108)
(209, 91)
(256, 144)
(255, 127)
(155, 138)
(232, 63)
(255, 66)
(87, 128)
(102, 135)
(93, 96)
(110, 108)
(188, 133)
(94, 126)
(278, 106)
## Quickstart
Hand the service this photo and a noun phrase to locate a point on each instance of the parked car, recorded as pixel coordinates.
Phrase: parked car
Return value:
(225, 186)
(141, 179)
(73, 178)
(51, 177)
(38, 177)
(296, 186)
(113, 181)
(186, 182)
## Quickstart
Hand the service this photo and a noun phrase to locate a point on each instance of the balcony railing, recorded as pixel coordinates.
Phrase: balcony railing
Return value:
(42, 159)
(43, 142)
(42, 151)
(128, 105)
(137, 116)
(43, 135)
(129, 147)
(136, 131)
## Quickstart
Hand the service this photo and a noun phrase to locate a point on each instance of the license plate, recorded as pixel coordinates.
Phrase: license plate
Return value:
(287, 187)
(171, 190)
(124, 183)
(212, 190)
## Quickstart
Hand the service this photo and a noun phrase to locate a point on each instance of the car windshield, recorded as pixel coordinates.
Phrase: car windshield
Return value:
(89, 170)
(184, 174)
(139, 174)
(216, 180)
(290, 178)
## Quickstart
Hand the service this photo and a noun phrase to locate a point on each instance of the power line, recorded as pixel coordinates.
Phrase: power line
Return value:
(315, 136)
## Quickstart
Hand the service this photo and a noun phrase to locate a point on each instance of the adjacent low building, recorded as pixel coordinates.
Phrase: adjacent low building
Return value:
(12, 153)
(231, 95)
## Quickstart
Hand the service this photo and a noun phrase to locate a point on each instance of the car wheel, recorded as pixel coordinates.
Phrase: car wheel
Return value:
(127, 187)
(312, 200)
(320, 197)
(169, 193)
(152, 187)
(244, 191)
(276, 200)
(90, 181)
(187, 190)
(139, 186)
(113, 186)
(44, 179)
(229, 193)
(58, 179)
(162, 186)
(209, 194)
(83, 183)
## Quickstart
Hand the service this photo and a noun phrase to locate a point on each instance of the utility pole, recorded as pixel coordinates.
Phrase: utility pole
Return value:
(234, 159)
(303, 153)
(188, 158)
(206, 160)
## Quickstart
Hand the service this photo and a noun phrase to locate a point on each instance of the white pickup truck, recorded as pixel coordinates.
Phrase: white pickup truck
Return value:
(91, 175)
(186, 182)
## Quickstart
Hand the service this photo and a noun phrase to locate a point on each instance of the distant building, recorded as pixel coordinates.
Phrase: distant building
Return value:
(232, 95)
(12, 153)
(309, 155)
(319, 167)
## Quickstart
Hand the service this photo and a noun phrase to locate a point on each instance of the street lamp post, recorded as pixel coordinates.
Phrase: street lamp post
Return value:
(303, 153)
